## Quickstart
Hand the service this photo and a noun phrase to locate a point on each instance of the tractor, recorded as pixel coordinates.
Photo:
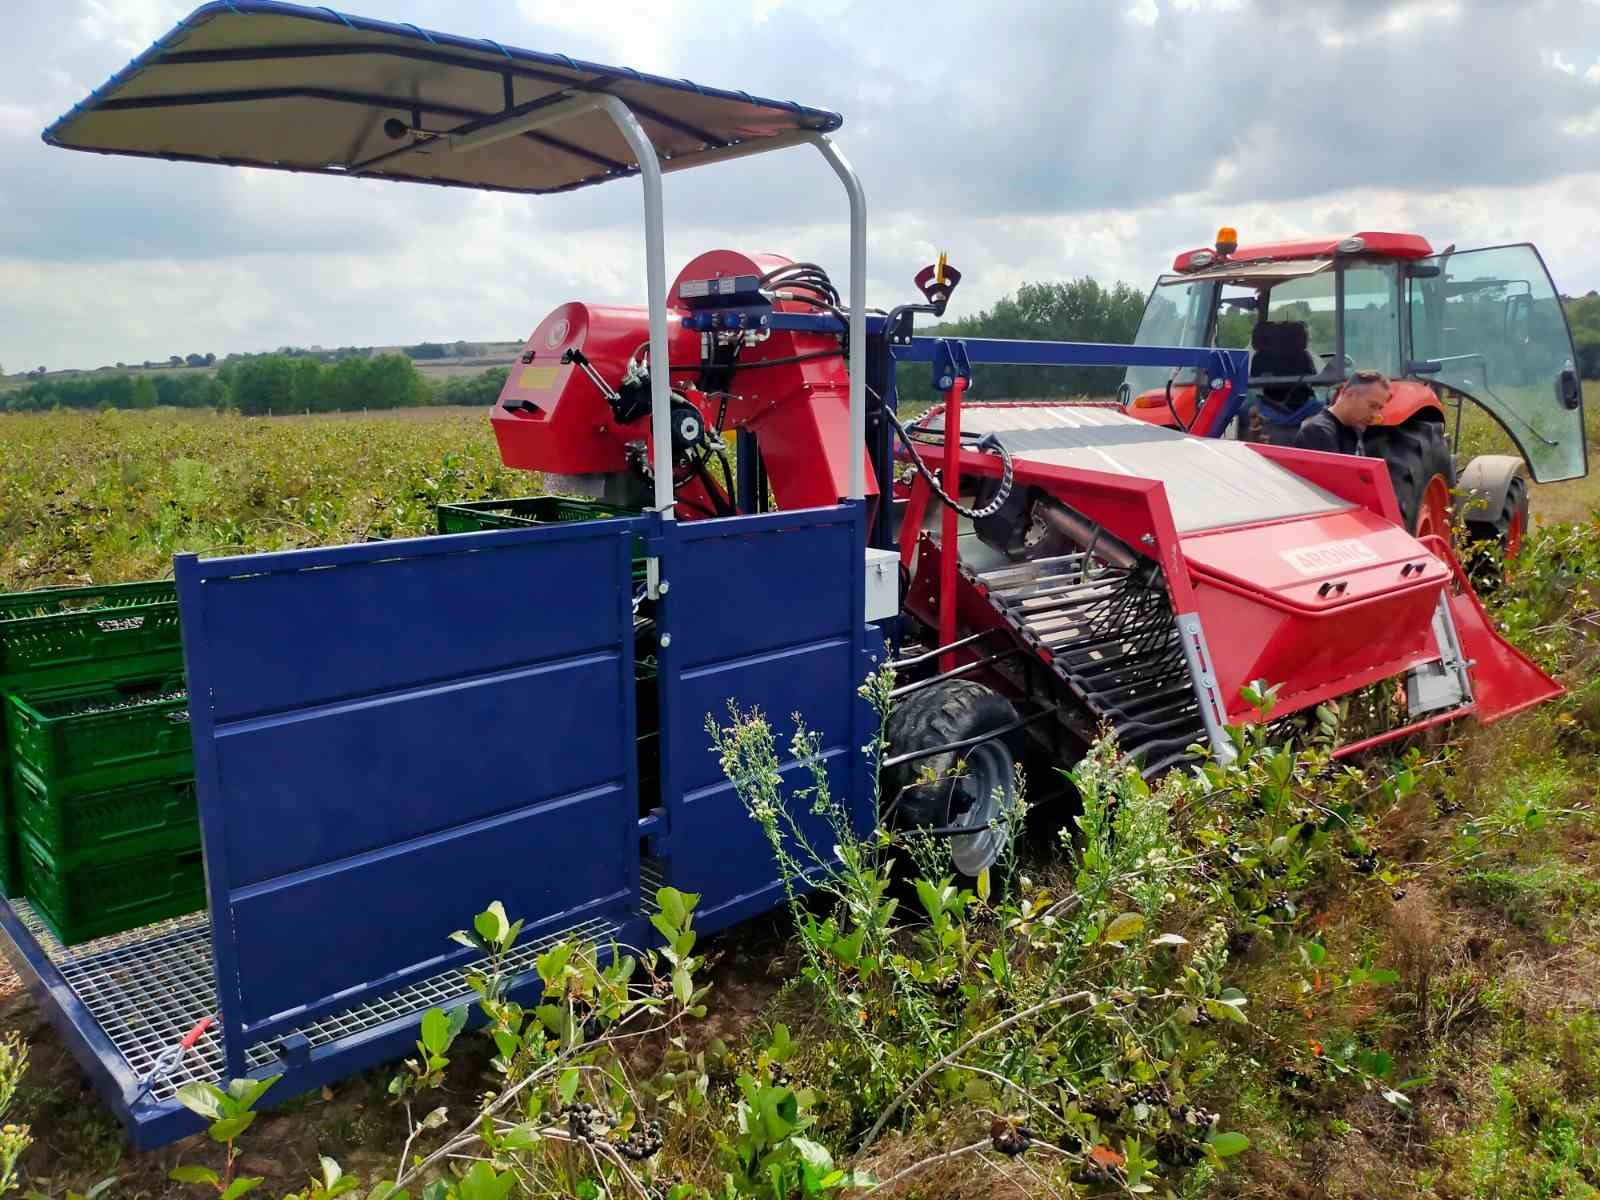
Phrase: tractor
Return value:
(389, 735)
(1446, 327)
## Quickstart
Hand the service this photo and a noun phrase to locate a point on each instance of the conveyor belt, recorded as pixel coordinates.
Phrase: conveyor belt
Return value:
(1210, 482)
(1112, 641)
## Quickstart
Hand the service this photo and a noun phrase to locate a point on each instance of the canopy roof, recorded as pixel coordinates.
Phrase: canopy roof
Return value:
(267, 84)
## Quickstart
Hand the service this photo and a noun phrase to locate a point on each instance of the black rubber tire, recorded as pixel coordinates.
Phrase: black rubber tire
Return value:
(1414, 453)
(951, 711)
(1487, 569)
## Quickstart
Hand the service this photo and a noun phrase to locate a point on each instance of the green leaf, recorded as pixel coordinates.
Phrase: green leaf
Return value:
(1170, 939)
(780, 1047)
(670, 900)
(245, 1092)
(484, 1183)
(682, 985)
(552, 964)
(567, 1085)
(470, 940)
(983, 885)
(384, 1189)
(813, 1154)
(1315, 953)
(332, 1172)
(229, 1128)
(1122, 928)
(243, 1185)
(433, 1120)
(492, 924)
(435, 1031)
(930, 897)
(194, 1174)
(201, 1098)
(1228, 1012)
(1226, 1145)
(1383, 977)
(522, 1137)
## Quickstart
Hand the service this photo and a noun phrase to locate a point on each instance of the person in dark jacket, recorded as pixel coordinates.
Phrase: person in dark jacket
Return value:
(1341, 427)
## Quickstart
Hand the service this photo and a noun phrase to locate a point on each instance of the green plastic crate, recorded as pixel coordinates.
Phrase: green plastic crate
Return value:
(83, 634)
(102, 735)
(80, 825)
(477, 516)
(10, 867)
(82, 902)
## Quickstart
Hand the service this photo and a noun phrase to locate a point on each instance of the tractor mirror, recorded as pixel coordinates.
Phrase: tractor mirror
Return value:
(1568, 390)
(1426, 366)
(1425, 270)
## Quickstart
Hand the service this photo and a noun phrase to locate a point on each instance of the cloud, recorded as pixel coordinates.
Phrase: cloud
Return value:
(1034, 140)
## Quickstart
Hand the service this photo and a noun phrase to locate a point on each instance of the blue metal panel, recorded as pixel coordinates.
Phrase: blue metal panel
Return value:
(767, 612)
(389, 736)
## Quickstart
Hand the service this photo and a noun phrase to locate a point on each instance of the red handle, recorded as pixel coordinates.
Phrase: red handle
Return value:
(198, 1032)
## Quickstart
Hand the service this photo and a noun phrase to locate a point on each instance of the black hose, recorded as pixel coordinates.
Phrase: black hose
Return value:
(987, 442)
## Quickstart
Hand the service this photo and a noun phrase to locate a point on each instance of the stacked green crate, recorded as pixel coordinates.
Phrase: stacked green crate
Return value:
(100, 824)
(478, 516)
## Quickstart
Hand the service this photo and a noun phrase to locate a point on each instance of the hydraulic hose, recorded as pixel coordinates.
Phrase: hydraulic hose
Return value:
(987, 442)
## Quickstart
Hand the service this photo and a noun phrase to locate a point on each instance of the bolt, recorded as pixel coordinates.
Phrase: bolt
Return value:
(664, 587)
(666, 640)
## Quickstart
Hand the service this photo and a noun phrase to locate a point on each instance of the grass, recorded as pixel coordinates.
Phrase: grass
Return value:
(110, 496)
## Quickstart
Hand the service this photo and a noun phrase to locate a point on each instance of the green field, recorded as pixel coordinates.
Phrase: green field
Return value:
(1424, 927)
(111, 496)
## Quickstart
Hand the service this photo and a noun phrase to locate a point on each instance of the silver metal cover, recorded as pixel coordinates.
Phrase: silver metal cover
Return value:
(1210, 482)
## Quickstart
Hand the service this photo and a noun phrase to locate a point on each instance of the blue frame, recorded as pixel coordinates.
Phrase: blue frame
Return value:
(1217, 362)
(789, 637)
(765, 608)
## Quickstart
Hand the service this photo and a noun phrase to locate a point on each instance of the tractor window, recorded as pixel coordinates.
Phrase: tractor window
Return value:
(1492, 320)
(1372, 318)
(1371, 315)
(1308, 300)
(1177, 314)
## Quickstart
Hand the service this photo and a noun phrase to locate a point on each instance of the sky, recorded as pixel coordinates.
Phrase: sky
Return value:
(1031, 139)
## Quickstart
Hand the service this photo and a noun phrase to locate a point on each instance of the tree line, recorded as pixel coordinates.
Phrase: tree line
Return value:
(1080, 310)
(263, 384)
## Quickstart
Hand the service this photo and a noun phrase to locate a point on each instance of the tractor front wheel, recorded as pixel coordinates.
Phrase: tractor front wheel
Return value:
(974, 788)
(1509, 526)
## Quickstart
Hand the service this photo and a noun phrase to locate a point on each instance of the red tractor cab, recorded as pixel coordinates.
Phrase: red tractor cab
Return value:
(1485, 326)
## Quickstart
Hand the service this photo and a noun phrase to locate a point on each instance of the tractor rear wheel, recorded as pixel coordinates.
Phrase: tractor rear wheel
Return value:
(975, 787)
(1423, 473)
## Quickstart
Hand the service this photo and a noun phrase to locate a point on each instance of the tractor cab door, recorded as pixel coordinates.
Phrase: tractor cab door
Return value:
(1489, 324)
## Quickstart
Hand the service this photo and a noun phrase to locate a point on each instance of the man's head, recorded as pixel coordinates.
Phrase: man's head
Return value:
(1360, 401)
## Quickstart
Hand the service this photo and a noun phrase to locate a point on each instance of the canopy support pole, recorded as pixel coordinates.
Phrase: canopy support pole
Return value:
(858, 311)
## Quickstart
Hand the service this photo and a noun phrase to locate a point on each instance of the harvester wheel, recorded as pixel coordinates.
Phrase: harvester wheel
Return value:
(975, 787)
(1423, 473)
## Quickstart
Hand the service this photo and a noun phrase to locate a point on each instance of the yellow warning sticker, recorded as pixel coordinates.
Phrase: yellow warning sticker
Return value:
(537, 379)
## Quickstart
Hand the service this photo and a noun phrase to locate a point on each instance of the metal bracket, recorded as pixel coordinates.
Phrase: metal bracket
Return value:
(1213, 713)
(950, 363)
(1445, 683)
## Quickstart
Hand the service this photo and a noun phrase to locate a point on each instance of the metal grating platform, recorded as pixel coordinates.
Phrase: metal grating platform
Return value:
(148, 988)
